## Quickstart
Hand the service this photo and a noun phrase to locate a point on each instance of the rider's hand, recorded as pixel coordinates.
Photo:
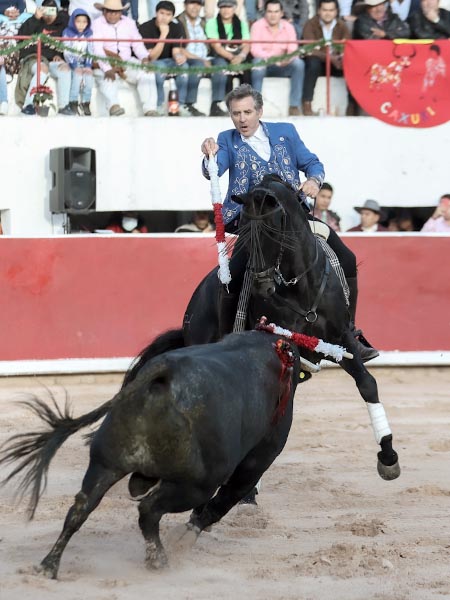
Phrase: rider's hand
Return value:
(310, 188)
(209, 146)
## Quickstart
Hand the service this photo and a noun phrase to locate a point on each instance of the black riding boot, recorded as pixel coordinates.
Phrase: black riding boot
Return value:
(365, 349)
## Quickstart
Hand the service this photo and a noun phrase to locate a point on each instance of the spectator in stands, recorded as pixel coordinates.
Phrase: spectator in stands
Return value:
(324, 26)
(439, 221)
(51, 21)
(405, 220)
(113, 25)
(370, 215)
(81, 65)
(127, 222)
(430, 22)
(322, 207)
(166, 55)
(278, 38)
(196, 53)
(297, 13)
(378, 22)
(199, 223)
(227, 26)
(10, 21)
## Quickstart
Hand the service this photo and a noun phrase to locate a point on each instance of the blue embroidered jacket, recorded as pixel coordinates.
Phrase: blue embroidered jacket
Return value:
(289, 155)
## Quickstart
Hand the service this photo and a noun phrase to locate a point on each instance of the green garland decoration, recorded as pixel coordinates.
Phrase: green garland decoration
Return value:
(55, 44)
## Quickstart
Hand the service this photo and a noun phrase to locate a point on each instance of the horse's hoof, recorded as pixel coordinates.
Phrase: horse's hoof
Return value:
(388, 472)
(45, 570)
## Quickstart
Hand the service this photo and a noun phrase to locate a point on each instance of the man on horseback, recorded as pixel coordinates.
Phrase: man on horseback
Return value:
(250, 151)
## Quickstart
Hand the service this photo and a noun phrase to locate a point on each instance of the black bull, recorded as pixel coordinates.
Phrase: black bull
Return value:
(194, 421)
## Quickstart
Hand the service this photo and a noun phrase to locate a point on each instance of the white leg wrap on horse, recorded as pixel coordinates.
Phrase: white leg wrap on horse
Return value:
(379, 421)
(258, 486)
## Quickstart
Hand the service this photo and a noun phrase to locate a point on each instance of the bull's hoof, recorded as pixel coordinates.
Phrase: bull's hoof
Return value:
(388, 472)
(155, 558)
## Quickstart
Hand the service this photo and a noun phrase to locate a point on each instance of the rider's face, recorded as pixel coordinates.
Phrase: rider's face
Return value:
(244, 115)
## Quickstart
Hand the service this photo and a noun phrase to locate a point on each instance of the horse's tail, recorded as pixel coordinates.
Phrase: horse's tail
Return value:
(35, 450)
(170, 340)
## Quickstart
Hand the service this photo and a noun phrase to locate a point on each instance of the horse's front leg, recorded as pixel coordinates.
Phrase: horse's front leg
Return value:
(388, 466)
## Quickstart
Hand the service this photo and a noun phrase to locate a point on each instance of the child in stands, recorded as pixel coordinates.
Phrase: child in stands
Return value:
(79, 27)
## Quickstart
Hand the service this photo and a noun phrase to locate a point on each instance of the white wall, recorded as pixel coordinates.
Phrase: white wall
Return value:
(154, 163)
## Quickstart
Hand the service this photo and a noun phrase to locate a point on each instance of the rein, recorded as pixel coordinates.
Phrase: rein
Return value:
(266, 279)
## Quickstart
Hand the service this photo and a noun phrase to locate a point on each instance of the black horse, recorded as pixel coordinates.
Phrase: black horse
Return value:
(292, 284)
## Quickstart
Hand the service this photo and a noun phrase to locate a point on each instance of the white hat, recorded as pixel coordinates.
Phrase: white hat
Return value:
(112, 5)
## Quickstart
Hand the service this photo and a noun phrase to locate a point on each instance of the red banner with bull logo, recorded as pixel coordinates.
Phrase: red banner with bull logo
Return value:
(403, 82)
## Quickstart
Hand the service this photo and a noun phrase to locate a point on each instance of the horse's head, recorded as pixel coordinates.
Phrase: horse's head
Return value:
(266, 228)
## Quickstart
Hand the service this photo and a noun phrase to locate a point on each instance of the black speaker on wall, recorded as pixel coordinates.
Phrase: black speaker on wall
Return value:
(74, 180)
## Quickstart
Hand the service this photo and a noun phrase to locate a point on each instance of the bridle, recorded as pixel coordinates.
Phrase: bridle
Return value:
(266, 281)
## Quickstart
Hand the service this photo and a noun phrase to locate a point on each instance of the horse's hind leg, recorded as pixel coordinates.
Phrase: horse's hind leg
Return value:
(96, 483)
(388, 465)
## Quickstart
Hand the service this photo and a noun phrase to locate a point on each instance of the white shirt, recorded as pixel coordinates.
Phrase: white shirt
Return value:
(401, 8)
(259, 142)
(328, 30)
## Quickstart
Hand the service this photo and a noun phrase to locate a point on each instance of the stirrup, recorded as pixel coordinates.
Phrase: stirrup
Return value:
(366, 351)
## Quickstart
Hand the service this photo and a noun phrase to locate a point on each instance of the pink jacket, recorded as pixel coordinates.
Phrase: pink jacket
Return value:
(260, 30)
(439, 225)
(124, 29)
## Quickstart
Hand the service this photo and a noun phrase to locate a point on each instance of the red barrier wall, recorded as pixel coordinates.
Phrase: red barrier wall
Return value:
(101, 297)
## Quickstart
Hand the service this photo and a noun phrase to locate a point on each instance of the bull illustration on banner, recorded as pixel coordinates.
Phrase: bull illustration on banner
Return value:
(391, 73)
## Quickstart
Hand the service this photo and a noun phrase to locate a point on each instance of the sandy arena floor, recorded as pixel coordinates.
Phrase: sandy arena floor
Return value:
(328, 528)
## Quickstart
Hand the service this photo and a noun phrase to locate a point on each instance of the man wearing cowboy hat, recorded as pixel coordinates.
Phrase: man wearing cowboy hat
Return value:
(370, 216)
(378, 22)
(114, 26)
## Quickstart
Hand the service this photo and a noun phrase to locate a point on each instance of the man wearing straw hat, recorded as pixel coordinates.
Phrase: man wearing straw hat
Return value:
(114, 26)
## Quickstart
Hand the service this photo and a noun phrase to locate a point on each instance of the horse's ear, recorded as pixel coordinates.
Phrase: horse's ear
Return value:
(238, 199)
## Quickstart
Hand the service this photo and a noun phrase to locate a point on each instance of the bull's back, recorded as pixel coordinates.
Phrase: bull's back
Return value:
(197, 410)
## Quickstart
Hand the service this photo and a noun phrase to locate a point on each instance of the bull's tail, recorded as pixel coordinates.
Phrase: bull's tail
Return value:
(36, 450)
(170, 340)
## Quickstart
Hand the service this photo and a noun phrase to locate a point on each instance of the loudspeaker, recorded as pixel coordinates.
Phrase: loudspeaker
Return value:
(74, 185)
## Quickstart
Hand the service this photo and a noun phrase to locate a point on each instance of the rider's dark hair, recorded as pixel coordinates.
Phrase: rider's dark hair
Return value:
(166, 5)
(244, 91)
(327, 186)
